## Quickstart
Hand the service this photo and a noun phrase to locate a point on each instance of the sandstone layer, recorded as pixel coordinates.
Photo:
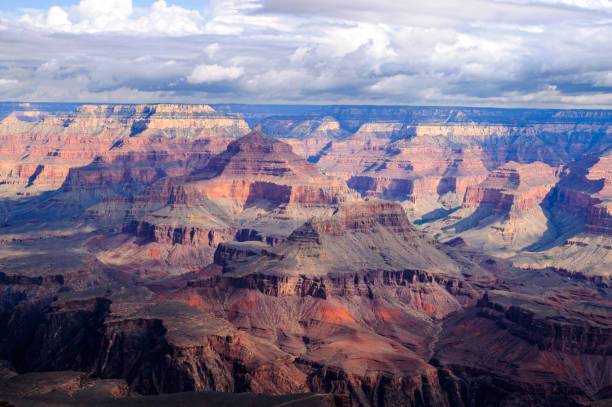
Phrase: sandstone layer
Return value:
(168, 250)
(38, 151)
(257, 189)
(401, 320)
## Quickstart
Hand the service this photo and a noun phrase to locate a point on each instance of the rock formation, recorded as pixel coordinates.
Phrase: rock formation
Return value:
(39, 150)
(504, 213)
(257, 189)
(165, 253)
(579, 220)
(430, 158)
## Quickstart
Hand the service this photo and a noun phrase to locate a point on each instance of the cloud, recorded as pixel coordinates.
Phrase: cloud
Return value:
(547, 53)
(57, 19)
(95, 16)
(234, 17)
(212, 49)
(8, 83)
(214, 73)
(172, 20)
(584, 4)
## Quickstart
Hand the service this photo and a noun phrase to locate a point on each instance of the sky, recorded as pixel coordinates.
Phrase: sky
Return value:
(504, 53)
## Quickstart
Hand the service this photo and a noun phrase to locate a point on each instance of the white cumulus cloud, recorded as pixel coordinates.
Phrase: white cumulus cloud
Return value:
(97, 16)
(214, 73)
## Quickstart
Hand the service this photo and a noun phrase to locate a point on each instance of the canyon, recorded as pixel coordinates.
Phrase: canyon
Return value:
(322, 255)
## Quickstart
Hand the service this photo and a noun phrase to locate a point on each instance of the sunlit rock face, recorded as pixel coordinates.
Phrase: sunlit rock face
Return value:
(599, 219)
(441, 164)
(506, 210)
(514, 187)
(39, 150)
(169, 248)
(257, 187)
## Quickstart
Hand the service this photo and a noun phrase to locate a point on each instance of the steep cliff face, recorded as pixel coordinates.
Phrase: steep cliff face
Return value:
(40, 150)
(375, 333)
(576, 191)
(599, 219)
(505, 212)
(579, 220)
(528, 346)
(171, 255)
(513, 187)
(257, 184)
(362, 329)
(417, 170)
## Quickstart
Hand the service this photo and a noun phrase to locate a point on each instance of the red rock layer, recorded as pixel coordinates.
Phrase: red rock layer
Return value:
(513, 188)
(410, 169)
(599, 219)
(257, 167)
(255, 171)
(40, 154)
(365, 217)
(585, 191)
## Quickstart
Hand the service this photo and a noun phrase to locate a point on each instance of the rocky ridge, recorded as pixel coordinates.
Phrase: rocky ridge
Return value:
(232, 264)
(256, 190)
(432, 159)
(40, 150)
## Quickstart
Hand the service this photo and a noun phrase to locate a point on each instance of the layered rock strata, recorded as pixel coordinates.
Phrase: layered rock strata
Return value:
(38, 151)
(257, 189)
(401, 320)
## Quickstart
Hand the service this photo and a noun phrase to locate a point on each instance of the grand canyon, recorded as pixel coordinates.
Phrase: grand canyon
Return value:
(304, 255)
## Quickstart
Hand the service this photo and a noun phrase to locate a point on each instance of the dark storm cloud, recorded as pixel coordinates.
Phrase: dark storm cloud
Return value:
(509, 53)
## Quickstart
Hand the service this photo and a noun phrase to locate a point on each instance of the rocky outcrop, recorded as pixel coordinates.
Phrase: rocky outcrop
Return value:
(421, 289)
(39, 152)
(168, 255)
(168, 234)
(599, 219)
(362, 235)
(505, 213)
(255, 168)
(547, 333)
(257, 185)
(584, 195)
(513, 188)
(228, 251)
(415, 169)
(528, 349)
